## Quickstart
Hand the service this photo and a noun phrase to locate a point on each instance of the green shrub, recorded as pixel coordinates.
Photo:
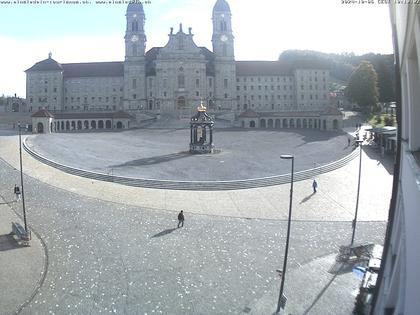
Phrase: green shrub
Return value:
(388, 121)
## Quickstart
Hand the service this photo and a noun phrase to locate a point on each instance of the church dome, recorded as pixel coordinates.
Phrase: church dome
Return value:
(135, 6)
(221, 5)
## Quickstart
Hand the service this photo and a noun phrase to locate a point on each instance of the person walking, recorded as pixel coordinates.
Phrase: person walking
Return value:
(181, 218)
(16, 190)
(314, 185)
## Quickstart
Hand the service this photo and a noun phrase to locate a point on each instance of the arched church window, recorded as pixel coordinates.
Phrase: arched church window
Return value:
(134, 47)
(224, 50)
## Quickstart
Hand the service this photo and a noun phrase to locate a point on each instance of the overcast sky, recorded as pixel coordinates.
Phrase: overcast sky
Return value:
(262, 30)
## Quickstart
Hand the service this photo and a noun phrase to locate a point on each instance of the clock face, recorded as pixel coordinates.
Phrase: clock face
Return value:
(134, 38)
(223, 38)
(222, 15)
(134, 15)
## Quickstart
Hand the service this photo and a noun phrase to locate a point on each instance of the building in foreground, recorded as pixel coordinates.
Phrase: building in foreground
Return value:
(173, 79)
(398, 284)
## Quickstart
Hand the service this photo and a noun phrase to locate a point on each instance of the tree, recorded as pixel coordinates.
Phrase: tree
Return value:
(362, 87)
(385, 84)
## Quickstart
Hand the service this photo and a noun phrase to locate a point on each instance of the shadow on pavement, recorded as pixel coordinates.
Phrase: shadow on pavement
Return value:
(387, 160)
(155, 159)
(8, 202)
(164, 232)
(306, 198)
(8, 242)
(325, 288)
(343, 267)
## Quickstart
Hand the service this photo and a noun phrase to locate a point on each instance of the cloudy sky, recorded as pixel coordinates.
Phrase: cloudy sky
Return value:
(262, 30)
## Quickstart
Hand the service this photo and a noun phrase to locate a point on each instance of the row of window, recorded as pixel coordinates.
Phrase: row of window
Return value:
(302, 87)
(78, 107)
(45, 89)
(265, 79)
(267, 106)
(180, 82)
(311, 97)
(280, 78)
(315, 79)
(197, 93)
(92, 88)
(93, 98)
(285, 87)
(285, 97)
(290, 106)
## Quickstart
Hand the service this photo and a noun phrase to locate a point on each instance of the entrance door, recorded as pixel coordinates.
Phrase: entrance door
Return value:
(180, 103)
(40, 127)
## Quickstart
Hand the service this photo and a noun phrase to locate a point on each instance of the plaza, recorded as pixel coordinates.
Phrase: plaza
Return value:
(103, 247)
(163, 153)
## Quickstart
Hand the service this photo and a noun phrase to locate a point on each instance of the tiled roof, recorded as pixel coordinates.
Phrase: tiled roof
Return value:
(82, 116)
(93, 69)
(42, 113)
(249, 113)
(275, 68)
(116, 68)
(256, 68)
(310, 64)
(332, 111)
(303, 114)
(292, 114)
(48, 64)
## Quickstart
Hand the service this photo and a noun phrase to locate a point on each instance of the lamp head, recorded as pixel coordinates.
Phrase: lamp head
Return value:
(286, 156)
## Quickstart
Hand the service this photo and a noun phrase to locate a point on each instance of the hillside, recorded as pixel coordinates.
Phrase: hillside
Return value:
(342, 65)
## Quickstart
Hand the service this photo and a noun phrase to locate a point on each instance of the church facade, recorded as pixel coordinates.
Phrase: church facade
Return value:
(174, 78)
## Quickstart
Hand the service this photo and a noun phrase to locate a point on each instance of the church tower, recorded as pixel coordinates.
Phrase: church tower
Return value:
(135, 62)
(222, 31)
(223, 49)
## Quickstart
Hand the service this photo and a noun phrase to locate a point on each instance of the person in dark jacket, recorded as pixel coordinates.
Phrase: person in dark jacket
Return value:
(16, 190)
(181, 218)
(314, 185)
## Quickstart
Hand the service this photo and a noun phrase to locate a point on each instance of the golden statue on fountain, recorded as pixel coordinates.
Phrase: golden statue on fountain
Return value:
(201, 108)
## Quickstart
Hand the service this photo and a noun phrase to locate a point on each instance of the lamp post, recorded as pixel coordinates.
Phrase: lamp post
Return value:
(281, 302)
(359, 142)
(21, 177)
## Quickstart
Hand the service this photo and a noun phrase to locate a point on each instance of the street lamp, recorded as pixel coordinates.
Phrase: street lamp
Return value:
(359, 143)
(282, 299)
(21, 177)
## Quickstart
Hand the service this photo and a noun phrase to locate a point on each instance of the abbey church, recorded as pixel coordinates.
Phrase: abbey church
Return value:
(173, 79)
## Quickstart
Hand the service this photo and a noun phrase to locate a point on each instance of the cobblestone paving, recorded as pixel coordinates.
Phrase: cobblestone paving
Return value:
(111, 258)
